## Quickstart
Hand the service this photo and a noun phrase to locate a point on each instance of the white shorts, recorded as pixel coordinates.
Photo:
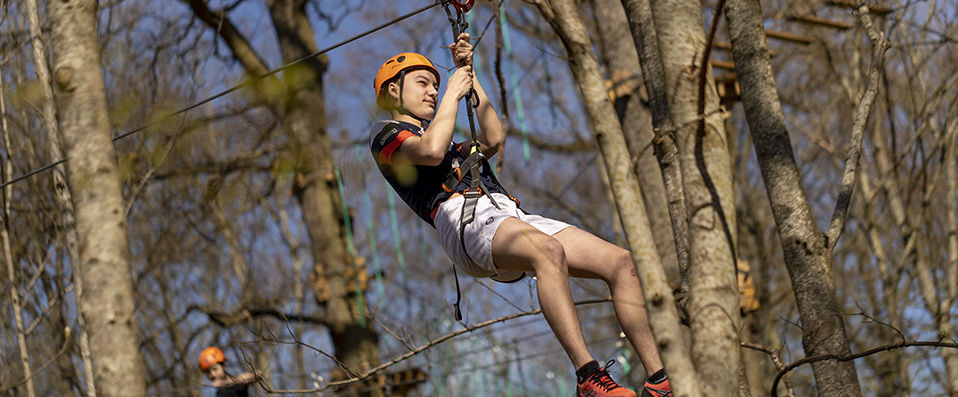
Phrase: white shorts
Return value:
(478, 234)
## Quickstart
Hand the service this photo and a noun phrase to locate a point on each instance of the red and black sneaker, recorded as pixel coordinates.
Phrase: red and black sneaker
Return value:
(600, 384)
(661, 389)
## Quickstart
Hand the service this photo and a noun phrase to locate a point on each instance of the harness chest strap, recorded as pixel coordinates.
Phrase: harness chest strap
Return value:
(471, 164)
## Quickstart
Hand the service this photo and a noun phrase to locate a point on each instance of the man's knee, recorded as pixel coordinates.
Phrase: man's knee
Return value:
(622, 264)
(551, 256)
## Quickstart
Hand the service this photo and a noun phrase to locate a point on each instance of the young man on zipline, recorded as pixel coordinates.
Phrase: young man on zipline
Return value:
(436, 178)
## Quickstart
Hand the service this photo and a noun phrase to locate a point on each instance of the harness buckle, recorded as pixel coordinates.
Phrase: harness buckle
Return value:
(471, 193)
(455, 175)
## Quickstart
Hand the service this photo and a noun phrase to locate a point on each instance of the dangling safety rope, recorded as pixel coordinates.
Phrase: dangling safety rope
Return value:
(460, 25)
(514, 83)
(371, 232)
(360, 305)
(472, 158)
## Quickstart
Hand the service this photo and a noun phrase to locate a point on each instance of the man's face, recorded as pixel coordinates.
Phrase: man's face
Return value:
(420, 95)
(216, 372)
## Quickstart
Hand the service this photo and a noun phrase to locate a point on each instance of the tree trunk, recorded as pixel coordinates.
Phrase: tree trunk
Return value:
(305, 121)
(704, 160)
(104, 252)
(639, 14)
(7, 196)
(621, 61)
(565, 20)
(945, 325)
(64, 200)
(806, 254)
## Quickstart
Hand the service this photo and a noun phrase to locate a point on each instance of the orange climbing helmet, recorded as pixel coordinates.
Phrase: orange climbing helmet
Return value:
(399, 63)
(209, 356)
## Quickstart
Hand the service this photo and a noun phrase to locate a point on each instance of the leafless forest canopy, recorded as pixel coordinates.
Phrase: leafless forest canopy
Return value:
(258, 222)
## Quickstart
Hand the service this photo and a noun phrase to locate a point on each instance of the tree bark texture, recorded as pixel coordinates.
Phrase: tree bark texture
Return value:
(704, 160)
(805, 251)
(104, 253)
(565, 20)
(946, 324)
(621, 61)
(64, 200)
(642, 27)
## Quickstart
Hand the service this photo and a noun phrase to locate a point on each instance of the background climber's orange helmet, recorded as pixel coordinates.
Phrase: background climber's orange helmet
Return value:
(397, 64)
(210, 356)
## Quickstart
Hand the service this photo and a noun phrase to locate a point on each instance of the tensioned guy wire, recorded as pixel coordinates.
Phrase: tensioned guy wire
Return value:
(233, 89)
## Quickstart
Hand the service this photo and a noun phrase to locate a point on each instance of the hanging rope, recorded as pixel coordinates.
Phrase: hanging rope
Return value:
(470, 21)
(371, 232)
(247, 83)
(400, 258)
(517, 94)
(394, 225)
(360, 307)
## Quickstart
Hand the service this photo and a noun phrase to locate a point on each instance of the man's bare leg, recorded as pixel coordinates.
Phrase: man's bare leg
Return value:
(592, 257)
(519, 246)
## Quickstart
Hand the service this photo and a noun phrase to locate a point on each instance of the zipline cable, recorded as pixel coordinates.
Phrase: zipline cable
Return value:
(234, 88)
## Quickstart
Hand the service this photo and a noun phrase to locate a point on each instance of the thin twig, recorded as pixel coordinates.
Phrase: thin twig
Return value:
(660, 134)
(63, 349)
(775, 356)
(388, 330)
(496, 293)
(861, 312)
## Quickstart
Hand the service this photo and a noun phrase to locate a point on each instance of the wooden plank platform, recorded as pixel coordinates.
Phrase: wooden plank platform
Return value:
(727, 65)
(804, 40)
(728, 89)
(728, 47)
(818, 21)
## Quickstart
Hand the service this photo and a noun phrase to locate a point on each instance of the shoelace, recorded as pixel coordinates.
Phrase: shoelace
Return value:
(654, 389)
(663, 393)
(602, 378)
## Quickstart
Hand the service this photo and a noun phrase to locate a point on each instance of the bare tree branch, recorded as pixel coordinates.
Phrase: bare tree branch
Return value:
(879, 349)
(776, 358)
(366, 374)
(879, 46)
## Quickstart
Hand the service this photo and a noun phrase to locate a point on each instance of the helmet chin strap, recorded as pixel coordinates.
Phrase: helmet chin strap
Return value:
(399, 105)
